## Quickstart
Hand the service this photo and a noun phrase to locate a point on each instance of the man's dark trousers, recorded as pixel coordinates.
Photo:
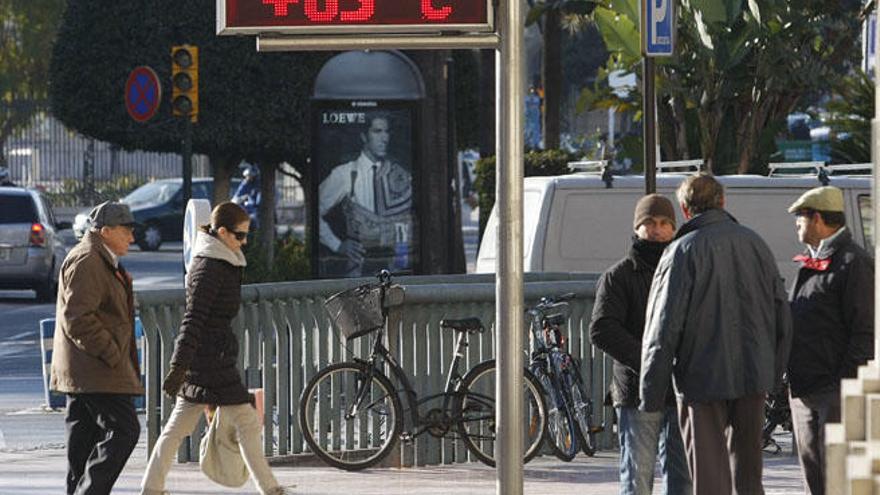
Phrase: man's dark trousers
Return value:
(722, 440)
(102, 431)
(809, 414)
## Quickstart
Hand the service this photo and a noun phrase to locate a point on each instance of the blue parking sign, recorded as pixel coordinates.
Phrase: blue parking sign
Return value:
(658, 27)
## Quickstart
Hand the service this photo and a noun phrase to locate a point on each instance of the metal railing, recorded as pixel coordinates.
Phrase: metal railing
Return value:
(285, 338)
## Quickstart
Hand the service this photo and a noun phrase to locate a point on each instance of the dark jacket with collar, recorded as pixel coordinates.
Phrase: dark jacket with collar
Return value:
(618, 323)
(717, 317)
(206, 346)
(94, 349)
(833, 318)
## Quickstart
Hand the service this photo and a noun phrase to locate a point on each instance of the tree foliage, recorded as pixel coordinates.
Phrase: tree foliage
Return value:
(740, 68)
(556, 15)
(852, 109)
(27, 31)
(253, 106)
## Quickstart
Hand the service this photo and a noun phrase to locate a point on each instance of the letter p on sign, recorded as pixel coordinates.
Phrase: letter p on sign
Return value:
(658, 27)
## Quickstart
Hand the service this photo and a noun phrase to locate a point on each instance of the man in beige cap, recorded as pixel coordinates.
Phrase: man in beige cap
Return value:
(616, 328)
(832, 307)
(94, 358)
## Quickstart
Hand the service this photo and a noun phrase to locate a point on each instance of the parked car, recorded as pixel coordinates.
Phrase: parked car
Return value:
(158, 209)
(31, 250)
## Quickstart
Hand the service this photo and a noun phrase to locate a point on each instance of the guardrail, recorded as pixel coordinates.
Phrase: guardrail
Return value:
(285, 338)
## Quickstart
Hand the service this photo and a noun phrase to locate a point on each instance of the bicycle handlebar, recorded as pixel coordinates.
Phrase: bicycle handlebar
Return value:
(384, 277)
(549, 301)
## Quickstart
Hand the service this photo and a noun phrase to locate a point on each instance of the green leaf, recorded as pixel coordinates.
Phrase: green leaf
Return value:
(619, 33)
(585, 100)
(536, 12)
(756, 12)
(703, 31)
(712, 11)
(629, 8)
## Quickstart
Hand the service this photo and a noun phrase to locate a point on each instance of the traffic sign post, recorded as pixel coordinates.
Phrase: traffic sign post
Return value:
(143, 93)
(658, 40)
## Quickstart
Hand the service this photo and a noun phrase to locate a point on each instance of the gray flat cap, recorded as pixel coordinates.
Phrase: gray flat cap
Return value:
(111, 214)
(827, 198)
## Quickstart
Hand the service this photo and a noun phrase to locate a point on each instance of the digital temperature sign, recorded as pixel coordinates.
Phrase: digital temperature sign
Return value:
(354, 17)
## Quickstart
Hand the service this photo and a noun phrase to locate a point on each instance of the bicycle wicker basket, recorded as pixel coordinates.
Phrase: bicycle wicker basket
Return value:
(357, 311)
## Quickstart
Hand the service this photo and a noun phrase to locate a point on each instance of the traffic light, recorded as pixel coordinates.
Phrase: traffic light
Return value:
(185, 81)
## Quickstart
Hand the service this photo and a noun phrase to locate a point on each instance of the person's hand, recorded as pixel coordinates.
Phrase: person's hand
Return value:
(353, 250)
(173, 381)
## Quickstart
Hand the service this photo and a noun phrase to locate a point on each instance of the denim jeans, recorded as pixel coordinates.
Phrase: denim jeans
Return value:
(642, 434)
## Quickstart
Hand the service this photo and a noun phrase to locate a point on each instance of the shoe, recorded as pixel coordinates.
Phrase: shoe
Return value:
(283, 490)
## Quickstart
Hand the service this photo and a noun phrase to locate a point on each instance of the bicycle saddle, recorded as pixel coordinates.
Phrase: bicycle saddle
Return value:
(469, 325)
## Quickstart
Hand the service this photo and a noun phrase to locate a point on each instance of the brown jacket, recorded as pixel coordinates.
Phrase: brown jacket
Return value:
(94, 349)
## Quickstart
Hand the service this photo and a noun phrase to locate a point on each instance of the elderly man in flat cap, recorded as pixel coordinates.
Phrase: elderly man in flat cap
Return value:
(832, 307)
(94, 358)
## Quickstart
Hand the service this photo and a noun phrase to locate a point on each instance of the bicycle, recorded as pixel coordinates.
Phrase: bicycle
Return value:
(351, 413)
(776, 413)
(569, 407)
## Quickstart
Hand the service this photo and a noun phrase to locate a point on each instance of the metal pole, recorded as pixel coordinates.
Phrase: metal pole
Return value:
(187, 160)
(875, 193)
(510, 84)
(649, 121)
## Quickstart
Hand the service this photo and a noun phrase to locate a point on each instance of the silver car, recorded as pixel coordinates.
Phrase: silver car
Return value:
(31, 250)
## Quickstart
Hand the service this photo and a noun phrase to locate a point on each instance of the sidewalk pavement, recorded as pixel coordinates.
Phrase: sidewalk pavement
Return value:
(41, 472)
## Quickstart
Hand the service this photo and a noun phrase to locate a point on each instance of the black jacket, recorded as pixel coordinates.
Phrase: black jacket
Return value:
(618, 323)
(206, 346)
(717, 316)
(833, 318)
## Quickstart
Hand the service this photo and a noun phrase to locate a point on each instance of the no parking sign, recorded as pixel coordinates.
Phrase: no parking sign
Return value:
(143, 93)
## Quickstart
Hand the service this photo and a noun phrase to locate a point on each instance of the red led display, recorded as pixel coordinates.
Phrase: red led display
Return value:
(257, 16)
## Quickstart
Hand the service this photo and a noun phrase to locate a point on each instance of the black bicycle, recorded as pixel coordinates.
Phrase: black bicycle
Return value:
(777, 412)
(569, 407)
(351, 413)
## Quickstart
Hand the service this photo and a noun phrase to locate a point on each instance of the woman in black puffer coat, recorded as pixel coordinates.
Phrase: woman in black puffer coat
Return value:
(203, 367)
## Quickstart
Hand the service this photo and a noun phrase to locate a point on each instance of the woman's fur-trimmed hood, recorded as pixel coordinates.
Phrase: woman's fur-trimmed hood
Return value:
(208, 246)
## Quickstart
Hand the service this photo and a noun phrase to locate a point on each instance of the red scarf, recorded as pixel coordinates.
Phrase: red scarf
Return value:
(817, 264)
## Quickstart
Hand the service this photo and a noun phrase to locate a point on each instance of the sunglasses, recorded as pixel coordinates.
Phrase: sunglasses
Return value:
(239, 236)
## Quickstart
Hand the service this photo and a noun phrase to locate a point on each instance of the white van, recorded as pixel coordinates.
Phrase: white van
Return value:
(574, 223)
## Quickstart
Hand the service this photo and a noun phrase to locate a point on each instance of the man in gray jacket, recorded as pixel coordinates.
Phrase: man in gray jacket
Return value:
(719, 322)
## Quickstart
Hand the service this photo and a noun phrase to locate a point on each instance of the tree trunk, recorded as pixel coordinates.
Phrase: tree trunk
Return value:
(266, 212)
(456, 262)
(667, 132)
(679, 119)
(552, 78)
(710, 128)
(222, 169)
(760, 113)
(487, 103)
(434, 173)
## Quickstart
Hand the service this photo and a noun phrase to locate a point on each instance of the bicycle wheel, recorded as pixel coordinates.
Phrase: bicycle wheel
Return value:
(582, 405)
(561, 435)
(474, 411)
(350, 419)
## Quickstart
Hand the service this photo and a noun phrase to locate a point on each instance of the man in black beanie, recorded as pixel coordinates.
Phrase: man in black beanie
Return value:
(617, 326)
